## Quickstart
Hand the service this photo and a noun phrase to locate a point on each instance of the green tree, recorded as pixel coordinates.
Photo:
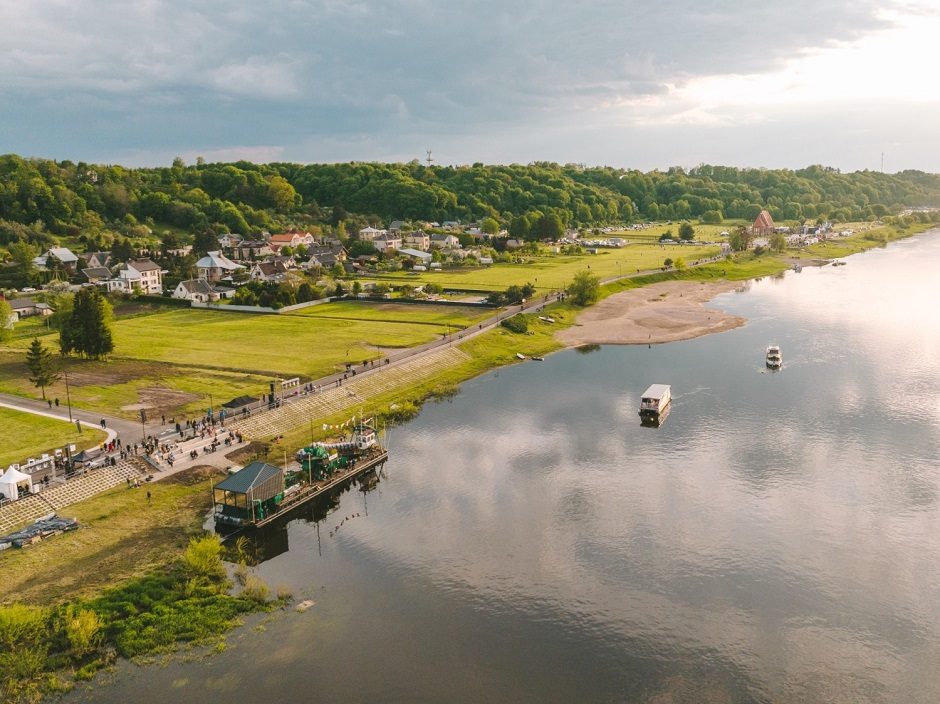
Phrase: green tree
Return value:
(519, 227)
(489, 226)
(42, 366)
(740, 239)
(550, 227)
(7, 318)
(87, 331)
(23, 254)
(686, 231)
(778, 242)
(585, 288)
(679, 264)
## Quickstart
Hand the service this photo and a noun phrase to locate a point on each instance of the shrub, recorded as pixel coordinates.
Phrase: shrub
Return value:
(203, 557)
(517, 324)
(22, 625)
(255, 589)
(83, 631)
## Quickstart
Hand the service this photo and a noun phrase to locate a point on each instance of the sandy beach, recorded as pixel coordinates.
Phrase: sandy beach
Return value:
(663, 312)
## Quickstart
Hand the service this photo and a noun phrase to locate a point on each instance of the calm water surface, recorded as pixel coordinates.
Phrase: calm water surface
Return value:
(776, 540)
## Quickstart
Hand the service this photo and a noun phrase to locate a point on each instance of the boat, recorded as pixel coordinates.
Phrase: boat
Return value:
(654, 403)
(260, 492)
(519, 355)
(839, 263)
(774, 358)
(539, 359)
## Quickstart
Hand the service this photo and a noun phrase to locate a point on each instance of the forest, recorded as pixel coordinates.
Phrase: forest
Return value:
(42, 201)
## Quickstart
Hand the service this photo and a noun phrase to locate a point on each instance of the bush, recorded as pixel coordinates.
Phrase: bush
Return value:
(517, 324)
(255, 589)
(83, 631)
(22, 625)
(203, 557)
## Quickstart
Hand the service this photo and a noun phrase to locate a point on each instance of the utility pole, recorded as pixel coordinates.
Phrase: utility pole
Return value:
(429, 159)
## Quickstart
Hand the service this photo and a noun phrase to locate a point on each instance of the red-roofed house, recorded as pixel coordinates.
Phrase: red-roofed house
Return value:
(291, 238)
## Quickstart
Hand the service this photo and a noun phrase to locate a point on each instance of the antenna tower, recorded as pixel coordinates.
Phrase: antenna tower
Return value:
(429, 159)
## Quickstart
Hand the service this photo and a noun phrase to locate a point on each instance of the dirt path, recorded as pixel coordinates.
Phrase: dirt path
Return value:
(662, 312)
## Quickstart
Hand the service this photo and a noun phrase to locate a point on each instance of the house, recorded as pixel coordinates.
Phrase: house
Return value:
(417, 240)
(61, 254)
(215, 266)
(249, 250)
(763, 224)
(450, 225)
(291, 238)
(147, 273)
(416, 254)
(388, 243)
(98, 259)
(442, 241)
(96, 274)
(229, 240)
(27, 307)
(272, 271)
(368, 234)
(199, 290)
(395, 227)
(333, 249)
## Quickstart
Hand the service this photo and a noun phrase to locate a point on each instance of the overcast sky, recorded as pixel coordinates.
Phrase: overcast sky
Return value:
(633, 83)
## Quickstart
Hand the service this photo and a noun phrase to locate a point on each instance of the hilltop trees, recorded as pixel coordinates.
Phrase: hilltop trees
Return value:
(42, 366)
(87, 329)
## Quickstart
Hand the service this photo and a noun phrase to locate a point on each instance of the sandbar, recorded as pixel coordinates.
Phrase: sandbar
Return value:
(662, 312)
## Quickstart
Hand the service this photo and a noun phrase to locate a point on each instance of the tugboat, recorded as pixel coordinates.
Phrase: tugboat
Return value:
(774, 358)
(654, 404)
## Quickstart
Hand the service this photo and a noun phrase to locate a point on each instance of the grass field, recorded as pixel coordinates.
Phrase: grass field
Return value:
(28, 435)
(399, 313)
(122, 536)
(555, 272)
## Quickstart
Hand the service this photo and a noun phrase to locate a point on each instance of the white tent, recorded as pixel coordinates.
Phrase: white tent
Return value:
(13, 481)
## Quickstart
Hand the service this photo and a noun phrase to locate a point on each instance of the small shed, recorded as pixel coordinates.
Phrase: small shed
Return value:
(250, 494)
(14, 481)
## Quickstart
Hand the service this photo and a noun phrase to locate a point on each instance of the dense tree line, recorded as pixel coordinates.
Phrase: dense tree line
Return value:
(42, 200)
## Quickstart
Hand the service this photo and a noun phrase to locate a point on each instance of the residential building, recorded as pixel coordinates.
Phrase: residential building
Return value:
(97, 274)
(27, 307)
(98, 259)
(229, 240)
(62, 254)
(291, 238)
(417, 240)
(215, 266)
(395, 227)
(201, 291)
(368, 234)
(250, 250)
(388, 243)
(442, 241)
(272, 271)
(144, 273)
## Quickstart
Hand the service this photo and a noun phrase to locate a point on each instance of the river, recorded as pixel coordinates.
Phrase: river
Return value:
(776, 540)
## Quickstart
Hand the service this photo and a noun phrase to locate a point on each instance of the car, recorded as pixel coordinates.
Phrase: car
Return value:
(28, 289)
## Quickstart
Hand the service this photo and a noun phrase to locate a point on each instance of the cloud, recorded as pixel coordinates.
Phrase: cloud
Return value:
(215, 74)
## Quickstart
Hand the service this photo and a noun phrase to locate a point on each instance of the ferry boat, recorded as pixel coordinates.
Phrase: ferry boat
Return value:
(654, 404)
(774, 358)
(260, 492)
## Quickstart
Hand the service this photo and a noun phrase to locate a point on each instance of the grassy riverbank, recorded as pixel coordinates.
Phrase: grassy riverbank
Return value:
(133, 580)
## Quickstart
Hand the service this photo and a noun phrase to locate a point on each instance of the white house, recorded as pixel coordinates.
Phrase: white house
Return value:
(229, 240)
(199, 290)
(215, 266)
(442, 241)
(138, 274)
(369, 234)
(388, 243)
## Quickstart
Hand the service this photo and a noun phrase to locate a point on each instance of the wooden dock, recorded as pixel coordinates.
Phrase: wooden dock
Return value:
(312, 491)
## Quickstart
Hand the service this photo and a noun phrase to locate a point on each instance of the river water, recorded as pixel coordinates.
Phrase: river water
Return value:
(776, 540)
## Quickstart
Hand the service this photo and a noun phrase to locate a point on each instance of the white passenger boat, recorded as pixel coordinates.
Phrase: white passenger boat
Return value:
(654, 403)
(774, 358)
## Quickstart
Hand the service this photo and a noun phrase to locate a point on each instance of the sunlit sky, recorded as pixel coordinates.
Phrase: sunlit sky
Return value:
(630, 83)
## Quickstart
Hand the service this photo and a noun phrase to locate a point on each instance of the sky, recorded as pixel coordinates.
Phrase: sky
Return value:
(628, 83)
